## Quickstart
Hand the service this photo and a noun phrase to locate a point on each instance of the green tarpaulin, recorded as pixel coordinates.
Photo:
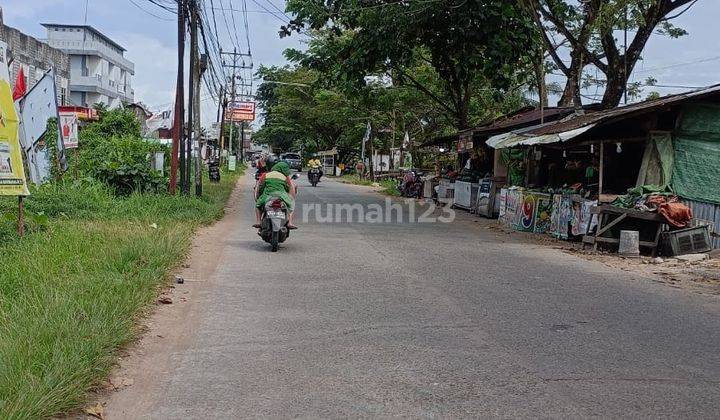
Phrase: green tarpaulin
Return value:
(657, 163)
(696, 173)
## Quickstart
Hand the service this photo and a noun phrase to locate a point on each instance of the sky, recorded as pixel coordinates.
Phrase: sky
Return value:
(150, 37)
(150, 41)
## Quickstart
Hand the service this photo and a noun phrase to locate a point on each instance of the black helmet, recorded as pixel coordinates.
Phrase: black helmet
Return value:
(270, 161)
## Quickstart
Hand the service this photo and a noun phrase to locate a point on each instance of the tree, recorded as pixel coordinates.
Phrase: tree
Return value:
(299, 111)
(473, 46)
(588, 29)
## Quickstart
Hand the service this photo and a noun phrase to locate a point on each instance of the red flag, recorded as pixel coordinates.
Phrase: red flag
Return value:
(20, 88)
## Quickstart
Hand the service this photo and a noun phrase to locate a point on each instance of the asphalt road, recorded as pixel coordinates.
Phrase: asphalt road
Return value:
(448, 320)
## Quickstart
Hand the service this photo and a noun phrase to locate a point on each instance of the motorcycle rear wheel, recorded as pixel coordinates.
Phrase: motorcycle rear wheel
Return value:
(275, 241)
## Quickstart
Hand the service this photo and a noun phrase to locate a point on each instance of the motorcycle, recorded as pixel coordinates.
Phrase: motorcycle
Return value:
(274, 222)
(411, 185)
(273, 225)
(314, 175)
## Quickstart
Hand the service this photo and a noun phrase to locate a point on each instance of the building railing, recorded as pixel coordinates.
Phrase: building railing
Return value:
(92, 46)
(100, 82)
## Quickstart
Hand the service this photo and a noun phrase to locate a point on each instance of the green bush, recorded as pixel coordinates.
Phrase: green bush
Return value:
(123, 163)
(112, 151)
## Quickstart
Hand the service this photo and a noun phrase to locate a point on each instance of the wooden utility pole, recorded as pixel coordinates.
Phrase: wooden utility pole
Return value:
(191, 96)
(178, 145)
(196, 74)
(21, 216)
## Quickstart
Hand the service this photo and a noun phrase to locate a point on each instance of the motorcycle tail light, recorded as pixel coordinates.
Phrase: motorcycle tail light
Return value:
(276, 204)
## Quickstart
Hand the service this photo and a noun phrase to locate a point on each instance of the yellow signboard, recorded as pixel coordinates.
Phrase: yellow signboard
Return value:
(12, 173)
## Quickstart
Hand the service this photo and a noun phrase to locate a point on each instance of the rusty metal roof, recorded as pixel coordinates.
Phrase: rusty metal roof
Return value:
(622, 112)
(578, 123)
(528, 117)
(524, 117)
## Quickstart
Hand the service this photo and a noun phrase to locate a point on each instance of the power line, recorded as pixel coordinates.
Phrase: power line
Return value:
(671, 66)
(151, 13)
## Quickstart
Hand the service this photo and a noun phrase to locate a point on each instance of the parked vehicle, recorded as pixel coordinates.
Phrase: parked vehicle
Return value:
(411, 185)
(293, 160)
(314, 175)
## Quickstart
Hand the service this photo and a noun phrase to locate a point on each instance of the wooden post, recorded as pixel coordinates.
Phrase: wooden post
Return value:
(21, 216)
(602, 170)
(75, 163)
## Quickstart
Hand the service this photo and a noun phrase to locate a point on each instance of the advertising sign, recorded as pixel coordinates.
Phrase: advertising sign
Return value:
(241, 111)
(36, 108)
(69, 129)
(12, 173)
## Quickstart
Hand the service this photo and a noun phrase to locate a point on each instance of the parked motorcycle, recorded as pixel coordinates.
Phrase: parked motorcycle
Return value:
(314, 175)
(411, 185)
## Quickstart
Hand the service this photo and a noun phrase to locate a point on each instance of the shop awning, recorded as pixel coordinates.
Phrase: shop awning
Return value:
(526, 138)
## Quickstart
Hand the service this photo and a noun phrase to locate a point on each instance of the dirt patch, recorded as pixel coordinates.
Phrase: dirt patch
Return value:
(702, 277)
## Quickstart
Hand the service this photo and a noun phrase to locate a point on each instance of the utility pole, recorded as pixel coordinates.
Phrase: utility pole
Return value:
(196, 74)
(222, 104)
(178, 145)
(191, 95)
(236, 56)
(232, 102)
(242, 140)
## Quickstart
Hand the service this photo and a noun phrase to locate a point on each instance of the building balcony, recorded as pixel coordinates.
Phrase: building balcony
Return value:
(98, 84)
(93, 48)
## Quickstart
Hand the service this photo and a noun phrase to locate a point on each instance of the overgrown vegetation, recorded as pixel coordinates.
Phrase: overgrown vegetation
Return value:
(70, 294)
(112, 151)
(96, 250)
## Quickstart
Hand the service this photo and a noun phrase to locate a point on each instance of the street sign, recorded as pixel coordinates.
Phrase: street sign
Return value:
(241, 111)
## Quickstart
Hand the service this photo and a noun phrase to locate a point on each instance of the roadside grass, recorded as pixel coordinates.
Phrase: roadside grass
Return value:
(71, 292)
(355, 180)
(387, 186)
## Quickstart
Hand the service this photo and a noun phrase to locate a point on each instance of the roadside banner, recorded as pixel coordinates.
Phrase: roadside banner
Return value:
(232, 163)
(12, 173)
(69, 129)
(36, 108)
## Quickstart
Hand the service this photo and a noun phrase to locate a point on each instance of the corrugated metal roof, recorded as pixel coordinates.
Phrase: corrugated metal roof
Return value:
(524, 117)
(576, 124)
(623, 112)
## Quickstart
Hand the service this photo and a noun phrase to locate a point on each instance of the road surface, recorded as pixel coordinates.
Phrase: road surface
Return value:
(416, 320)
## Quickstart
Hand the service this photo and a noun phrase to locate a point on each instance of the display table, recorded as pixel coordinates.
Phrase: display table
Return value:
(611, 219)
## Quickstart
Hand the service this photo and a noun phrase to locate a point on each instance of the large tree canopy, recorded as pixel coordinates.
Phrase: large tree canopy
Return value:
(471, 45)
(588, 31)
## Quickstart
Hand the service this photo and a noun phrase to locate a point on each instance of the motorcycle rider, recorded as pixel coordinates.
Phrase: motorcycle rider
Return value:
(315, 164)
(263, 163)
(275, 183)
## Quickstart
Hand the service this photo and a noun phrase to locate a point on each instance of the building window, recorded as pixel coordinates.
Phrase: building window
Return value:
(63, 96)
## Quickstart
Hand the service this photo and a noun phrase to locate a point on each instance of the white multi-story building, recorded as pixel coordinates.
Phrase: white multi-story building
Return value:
(99, 72)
